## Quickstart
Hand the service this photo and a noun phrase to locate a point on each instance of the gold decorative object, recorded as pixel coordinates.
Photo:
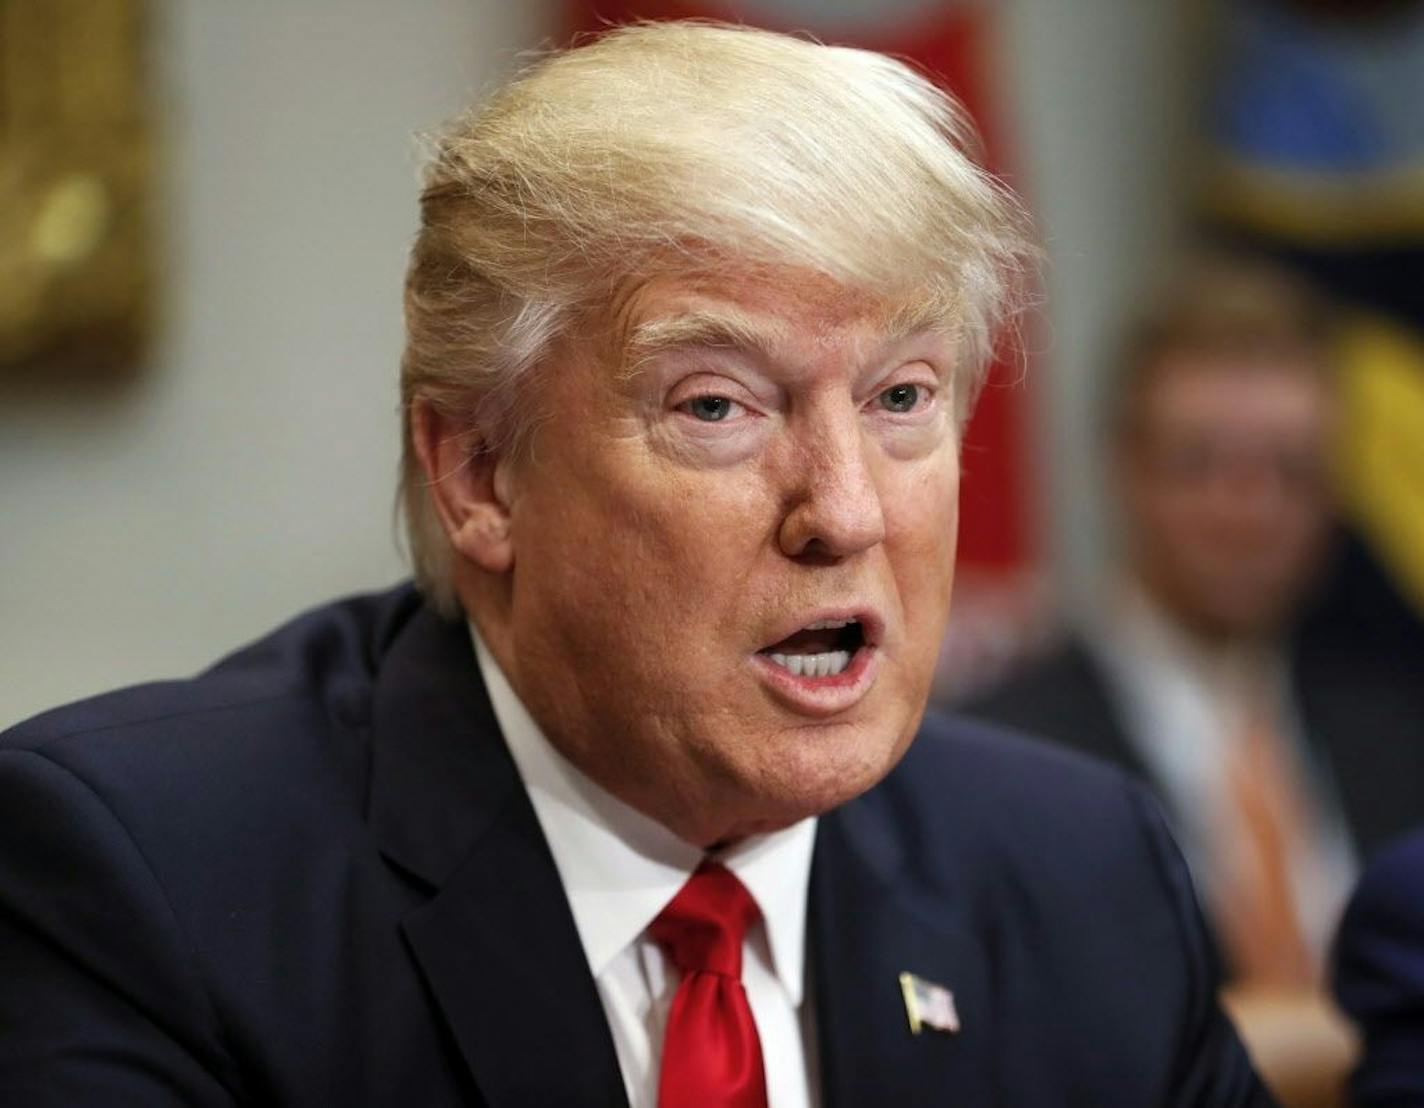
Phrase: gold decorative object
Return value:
(76, 249)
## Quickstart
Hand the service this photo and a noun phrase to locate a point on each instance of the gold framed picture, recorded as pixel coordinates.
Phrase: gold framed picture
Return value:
(77, 265)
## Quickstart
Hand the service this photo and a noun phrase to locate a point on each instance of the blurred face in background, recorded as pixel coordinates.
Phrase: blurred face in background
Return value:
(1222, 469)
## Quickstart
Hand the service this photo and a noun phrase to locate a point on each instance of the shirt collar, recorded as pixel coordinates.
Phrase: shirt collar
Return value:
(620, 868)
(1230, 670)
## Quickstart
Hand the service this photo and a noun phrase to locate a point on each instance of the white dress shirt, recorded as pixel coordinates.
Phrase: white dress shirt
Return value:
(620, 868)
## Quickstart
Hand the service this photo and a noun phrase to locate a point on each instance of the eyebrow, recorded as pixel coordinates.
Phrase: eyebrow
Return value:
(732, 330)
(723, 330)
(920, 316)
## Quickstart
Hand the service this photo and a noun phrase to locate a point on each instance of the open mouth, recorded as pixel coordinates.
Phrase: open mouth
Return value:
(825, 648)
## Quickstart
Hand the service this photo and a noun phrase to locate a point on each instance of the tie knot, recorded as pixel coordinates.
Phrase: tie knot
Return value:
(703, 926)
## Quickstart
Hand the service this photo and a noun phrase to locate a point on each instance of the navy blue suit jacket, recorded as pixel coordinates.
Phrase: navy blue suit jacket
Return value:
(311, 876)
(1379, 976)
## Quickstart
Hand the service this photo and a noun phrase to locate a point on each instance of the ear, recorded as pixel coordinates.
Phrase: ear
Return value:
(469, 485)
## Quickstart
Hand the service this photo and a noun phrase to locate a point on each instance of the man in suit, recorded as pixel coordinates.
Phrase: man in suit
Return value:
(1280, 743)
(1379, 976)
(619, 805)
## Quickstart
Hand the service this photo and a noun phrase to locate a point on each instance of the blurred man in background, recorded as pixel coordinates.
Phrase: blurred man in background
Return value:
(1279, 755)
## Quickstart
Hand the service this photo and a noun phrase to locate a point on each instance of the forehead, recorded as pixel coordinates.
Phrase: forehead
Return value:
(1245, 394)
(767, 309)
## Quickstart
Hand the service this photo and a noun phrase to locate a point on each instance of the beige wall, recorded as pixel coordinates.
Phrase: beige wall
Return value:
(250, 471)
(1103, 100)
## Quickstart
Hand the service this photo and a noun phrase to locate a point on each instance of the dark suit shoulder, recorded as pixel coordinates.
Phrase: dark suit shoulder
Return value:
(251, 772)
(308, 681)
(975, 811)
(1061, 867)
(1381, 944)
(1395, 878)
(1379, 974)
(1064, 696)
(988, 787)
(1009, 758)
(326, 656)
(183, 867)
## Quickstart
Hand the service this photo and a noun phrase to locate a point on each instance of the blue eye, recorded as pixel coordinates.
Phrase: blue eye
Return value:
(709, 409)
(900, 398)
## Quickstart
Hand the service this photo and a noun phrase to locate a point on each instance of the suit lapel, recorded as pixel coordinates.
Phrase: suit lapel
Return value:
(496, 942)
(498, 948)
(1097, 726)
(502, 957)
(866, 929)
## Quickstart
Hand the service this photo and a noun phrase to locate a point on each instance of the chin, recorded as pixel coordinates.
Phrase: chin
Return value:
(1242, 621)
(777, 772)
(831, 769)
(788, 797)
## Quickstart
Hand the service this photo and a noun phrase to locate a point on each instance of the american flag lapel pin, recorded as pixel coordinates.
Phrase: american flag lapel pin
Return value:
(928, 1005)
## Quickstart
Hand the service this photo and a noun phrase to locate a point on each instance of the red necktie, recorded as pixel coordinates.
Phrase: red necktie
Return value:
(711, 1053)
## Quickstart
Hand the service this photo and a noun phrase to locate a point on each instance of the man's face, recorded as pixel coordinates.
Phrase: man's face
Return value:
(733, 549)
(1225, 487)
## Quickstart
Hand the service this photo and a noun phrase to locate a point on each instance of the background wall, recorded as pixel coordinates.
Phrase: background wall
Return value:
(249, 471)
(1102, 96)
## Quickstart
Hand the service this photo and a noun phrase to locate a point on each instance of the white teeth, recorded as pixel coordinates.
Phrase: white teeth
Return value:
(827, 664)
(828, 624)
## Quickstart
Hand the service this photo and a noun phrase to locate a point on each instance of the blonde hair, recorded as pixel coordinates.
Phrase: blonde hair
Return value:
(670, 148)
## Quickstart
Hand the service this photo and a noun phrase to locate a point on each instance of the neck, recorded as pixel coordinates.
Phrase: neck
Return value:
(1213, 641)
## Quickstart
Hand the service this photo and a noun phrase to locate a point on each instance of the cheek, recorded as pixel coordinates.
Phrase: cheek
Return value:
(1299, 538)
(651, 558)
(922, 513)
(1179, 518)
(923, 532)
(693, 533)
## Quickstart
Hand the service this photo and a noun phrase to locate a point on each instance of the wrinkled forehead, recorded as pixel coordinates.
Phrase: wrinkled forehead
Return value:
(761, 308)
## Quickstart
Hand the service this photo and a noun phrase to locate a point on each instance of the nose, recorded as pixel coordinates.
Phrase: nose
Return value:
(1251, 491)
(834, 508)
